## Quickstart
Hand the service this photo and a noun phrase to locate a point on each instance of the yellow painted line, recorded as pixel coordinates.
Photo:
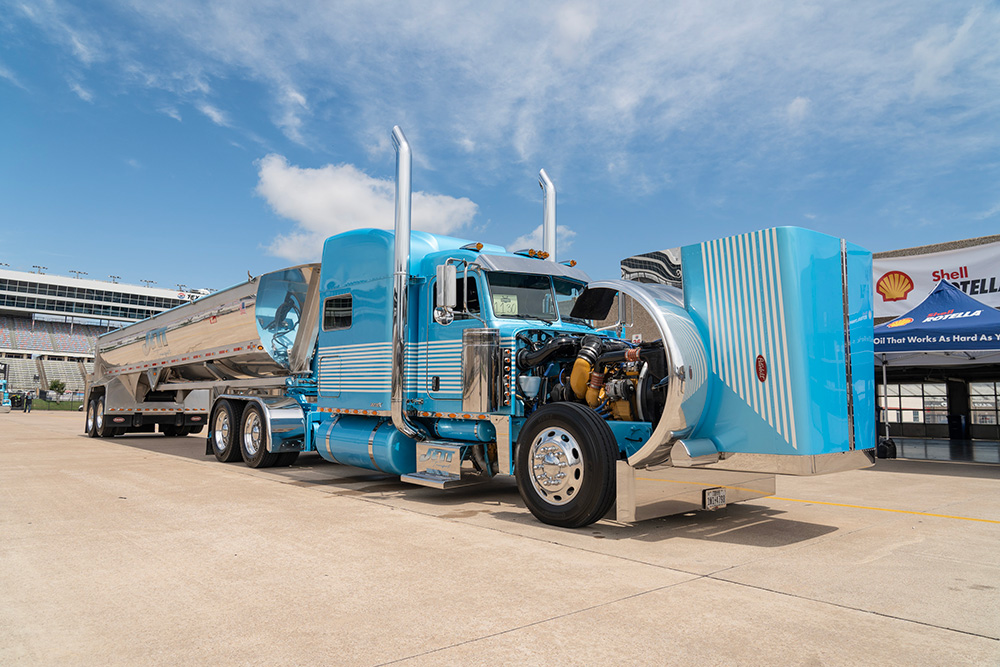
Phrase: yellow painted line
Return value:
(885, 509)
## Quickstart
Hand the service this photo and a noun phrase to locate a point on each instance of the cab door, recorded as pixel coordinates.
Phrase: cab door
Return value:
(440, 353)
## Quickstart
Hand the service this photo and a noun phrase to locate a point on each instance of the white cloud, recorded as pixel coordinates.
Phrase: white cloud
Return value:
(81, 92)
(809, 216)
(985, 215)
(172, 112)
(337, 198)
(215, 115)
(10, 76)
(564, 240)
(293, 104)
(132, 162)
(580, 81)
(797, 110)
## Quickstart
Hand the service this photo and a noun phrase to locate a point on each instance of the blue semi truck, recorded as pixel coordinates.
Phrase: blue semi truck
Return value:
(449, 362)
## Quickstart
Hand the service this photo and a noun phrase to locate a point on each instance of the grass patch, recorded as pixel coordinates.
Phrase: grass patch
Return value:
(68, 406)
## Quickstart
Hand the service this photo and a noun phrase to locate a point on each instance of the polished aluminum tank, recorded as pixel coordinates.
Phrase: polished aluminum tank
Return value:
(263, 328)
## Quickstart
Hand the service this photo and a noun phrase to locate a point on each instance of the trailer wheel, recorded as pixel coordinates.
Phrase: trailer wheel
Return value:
(254, 439)
(101, 428)
(91, 428)
(565, 465)
(171, 431)
(224, 431)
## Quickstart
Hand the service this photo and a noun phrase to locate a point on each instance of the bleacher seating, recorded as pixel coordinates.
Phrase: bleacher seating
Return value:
(75, 339)
(19, 333)
(32, 336)
(21, 374)
(5, 340)
(66, 371)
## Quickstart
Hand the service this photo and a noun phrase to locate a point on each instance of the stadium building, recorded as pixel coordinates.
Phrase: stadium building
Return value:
(49, 324)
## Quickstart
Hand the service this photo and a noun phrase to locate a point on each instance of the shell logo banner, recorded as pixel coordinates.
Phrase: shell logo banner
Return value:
(903, 282)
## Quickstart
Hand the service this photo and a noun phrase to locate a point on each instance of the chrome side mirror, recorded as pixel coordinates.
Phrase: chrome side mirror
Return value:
(447, 286)
(447, 289)
(444, 316)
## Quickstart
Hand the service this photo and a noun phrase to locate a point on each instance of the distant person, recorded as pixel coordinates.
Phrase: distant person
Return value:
(27, 401)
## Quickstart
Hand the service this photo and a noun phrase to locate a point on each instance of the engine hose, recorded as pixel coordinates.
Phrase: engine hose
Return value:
(627, 354)
(566, 345)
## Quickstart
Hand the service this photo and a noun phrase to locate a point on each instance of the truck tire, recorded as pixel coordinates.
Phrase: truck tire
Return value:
(254, 439)
(91, 427)
(224, 431)
(565, 465)
(171, 431)
(101, 428)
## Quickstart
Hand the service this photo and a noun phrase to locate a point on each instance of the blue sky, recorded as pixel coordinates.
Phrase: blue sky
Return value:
(190, 142)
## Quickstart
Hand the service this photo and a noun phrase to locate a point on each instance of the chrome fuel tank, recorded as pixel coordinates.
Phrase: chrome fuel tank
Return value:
(265, 327)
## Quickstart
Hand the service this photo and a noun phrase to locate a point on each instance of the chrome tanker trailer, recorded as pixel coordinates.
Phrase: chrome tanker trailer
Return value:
(168, 370)
(447, 362)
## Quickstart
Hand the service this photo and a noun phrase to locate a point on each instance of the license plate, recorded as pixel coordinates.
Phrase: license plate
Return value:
(713, 499)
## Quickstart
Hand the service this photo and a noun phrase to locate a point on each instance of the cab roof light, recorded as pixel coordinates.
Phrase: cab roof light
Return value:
(569, 262)
(475, 247)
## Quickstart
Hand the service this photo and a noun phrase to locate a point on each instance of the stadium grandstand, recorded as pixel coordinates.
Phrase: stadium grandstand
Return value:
(49, 324)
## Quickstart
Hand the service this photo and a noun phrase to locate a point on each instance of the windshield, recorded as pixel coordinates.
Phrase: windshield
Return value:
(567, 292)
(527, 296)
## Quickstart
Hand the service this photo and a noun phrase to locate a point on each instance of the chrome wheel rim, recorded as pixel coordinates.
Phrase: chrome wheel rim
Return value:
(556, 466)
(90, 417)
(252, 434)
(99, 415)
(220, 430)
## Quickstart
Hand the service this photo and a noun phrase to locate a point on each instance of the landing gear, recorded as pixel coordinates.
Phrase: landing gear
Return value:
(565, 465)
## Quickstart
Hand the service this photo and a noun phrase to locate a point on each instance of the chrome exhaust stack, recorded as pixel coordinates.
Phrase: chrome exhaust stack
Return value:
(549, 217)
(400, 286)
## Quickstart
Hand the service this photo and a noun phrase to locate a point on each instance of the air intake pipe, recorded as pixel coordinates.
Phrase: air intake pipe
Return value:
(549, 216)
(400, 286)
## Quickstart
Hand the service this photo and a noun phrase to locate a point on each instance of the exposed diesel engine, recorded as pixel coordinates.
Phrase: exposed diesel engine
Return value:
(619, 380)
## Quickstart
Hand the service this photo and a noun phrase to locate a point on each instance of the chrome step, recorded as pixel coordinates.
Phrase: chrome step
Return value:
(438, 480)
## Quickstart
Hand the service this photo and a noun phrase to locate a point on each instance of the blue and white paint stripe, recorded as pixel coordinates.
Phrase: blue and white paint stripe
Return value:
(746, 318)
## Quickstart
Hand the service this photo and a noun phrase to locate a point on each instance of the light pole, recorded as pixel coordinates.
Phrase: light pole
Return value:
(115, 279)
(41, 269)
(148, 282)
(79, 273)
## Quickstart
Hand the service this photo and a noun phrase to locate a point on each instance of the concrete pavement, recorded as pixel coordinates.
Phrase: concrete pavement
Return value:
(140, 550)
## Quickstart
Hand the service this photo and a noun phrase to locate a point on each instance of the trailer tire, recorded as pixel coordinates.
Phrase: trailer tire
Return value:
(286, 459)
(576, 453)
(90, 426)
(171, 431)
(254, 439)
(101, 428)
(224, 431)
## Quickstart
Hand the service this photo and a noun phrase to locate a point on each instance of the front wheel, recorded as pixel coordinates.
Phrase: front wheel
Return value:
(565, 465)
(254, 439)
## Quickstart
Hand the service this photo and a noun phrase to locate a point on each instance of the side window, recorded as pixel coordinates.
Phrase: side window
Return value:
(337, 312)
(473, 296)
